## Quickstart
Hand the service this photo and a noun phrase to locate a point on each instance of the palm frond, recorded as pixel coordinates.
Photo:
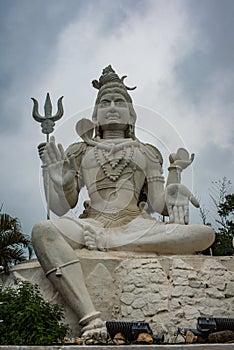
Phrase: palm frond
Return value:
(12, 239)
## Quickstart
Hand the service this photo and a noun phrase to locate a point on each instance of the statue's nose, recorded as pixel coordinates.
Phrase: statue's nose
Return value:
(112, 106)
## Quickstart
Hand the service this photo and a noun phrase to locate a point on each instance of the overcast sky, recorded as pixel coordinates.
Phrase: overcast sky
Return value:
(179, 53)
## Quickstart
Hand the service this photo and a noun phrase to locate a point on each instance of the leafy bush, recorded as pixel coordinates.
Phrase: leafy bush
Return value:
(224, 237)
(28, 319)
(223, 224)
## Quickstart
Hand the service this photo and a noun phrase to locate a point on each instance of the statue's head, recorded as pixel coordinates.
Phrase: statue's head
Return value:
(113, 92)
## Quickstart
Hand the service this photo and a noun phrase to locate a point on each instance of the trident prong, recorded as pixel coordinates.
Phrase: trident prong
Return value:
(48, 121)
(47, 126)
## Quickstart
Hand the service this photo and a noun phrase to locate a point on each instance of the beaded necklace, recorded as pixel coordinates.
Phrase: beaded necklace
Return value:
(113, 165)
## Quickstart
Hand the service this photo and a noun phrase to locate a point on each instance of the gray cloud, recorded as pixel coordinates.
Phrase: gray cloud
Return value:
(213, 163)
(214, 51)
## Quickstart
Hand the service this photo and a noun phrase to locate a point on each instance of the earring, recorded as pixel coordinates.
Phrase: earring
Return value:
(131, 133)
(97, 131)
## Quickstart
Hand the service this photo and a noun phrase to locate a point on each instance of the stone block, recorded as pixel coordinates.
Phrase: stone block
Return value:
(229, 291)
(180, 291)
(181, 264)
(214, 293)
(127, 298)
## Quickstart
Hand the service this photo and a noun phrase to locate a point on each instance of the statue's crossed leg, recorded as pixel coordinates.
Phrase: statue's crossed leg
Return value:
(62, 267)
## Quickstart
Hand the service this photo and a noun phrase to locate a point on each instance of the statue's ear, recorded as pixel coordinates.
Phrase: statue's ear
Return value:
(132, 120)
(132, 114)
(94, 116)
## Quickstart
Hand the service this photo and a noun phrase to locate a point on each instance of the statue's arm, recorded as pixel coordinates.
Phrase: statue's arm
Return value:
(178, 196)
(178, 162)
(60, 199)
(174, 200)
(61, 176)
(71, 191)
(155, 179)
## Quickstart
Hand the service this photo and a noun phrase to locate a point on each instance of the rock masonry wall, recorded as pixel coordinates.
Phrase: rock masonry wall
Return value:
(176, 297)
(166, 291)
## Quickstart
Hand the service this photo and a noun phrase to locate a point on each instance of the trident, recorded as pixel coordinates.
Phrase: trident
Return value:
(48, 121)
(47, 126)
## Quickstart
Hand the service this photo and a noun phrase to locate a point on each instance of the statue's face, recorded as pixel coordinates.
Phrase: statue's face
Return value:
(113, 112)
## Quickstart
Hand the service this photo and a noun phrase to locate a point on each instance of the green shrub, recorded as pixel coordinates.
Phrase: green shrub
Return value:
(28, 319)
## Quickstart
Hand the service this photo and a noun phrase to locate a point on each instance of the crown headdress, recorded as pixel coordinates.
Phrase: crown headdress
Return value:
(110, 80)
(109, 76)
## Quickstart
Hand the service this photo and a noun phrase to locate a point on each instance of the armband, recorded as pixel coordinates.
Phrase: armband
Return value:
(155, 178)
(174, 167)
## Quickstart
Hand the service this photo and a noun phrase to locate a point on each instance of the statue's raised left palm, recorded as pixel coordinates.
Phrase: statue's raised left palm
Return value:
(177, 201)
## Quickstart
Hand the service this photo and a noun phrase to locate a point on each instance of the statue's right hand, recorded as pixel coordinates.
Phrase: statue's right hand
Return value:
(41, 148)
(61, 169)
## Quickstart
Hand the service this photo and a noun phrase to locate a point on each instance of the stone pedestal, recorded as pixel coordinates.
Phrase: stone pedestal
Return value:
(166, 291)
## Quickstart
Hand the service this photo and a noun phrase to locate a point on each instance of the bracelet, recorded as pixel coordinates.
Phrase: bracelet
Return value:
(175, 167)
(155, 178)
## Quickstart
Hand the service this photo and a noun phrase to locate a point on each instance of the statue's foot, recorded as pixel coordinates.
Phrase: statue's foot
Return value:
(89, 238)
(95, 329)
(94, 238)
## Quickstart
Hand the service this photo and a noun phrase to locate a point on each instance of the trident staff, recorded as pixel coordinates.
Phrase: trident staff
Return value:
(47, 125)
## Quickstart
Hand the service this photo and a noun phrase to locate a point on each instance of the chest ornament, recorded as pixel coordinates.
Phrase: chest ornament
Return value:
(113, 164)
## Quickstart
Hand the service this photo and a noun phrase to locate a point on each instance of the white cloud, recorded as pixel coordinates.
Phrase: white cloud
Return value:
(146, 46)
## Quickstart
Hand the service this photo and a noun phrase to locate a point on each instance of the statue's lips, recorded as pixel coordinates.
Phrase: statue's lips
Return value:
(112, 117)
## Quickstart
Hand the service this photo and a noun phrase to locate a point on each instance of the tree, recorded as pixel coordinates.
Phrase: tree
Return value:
(224, 237)
(223, 224)
(12, 242)
(28, 319)
(226, 209)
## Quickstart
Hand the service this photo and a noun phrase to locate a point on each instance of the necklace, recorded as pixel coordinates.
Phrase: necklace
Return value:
(113, 165)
